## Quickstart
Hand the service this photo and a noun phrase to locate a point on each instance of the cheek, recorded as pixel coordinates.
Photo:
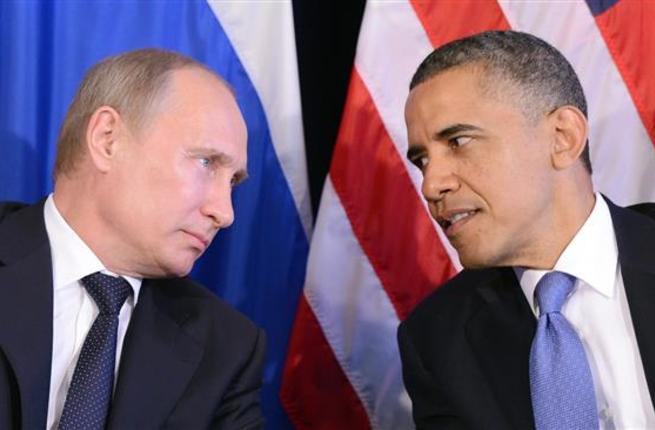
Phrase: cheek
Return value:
(194, 185)
(432, 207)
(188, 192)
(178, 184)
(510, 178)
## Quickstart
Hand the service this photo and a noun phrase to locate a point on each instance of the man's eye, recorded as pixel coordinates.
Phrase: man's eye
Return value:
(420, 161)
(205, 161)
(460, 141)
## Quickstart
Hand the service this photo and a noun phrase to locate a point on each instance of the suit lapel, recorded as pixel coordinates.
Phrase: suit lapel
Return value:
(26, 310)
(500, 333)
(635, 236)
(157, 362)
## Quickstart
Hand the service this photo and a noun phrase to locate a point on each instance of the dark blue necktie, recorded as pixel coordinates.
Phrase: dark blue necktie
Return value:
(561, 384)
(89, 394)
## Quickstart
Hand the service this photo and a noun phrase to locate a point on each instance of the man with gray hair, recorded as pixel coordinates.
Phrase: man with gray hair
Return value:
(550, 324)
(99, 326)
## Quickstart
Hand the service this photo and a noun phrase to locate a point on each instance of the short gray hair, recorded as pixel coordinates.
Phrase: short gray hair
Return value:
(544, 79)
(130, 83)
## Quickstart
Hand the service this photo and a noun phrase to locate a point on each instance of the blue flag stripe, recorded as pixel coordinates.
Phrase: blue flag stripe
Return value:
(597, 7)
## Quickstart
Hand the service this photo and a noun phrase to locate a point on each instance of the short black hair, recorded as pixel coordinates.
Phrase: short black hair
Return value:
(541, 74)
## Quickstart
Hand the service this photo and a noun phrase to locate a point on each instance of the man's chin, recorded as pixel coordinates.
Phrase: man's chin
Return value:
(180, 271)
(174, 268)
(473, 260)
(471, 264)
(480, 260)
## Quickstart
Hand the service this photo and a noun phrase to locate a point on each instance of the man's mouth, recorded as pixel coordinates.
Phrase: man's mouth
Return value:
(451, 221)
(201, 240)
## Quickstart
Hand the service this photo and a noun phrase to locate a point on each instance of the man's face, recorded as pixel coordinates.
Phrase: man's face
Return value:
(172, 179)
(487, 174)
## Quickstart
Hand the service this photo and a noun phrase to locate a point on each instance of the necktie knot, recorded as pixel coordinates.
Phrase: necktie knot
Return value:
(109, 292)
(552, 291)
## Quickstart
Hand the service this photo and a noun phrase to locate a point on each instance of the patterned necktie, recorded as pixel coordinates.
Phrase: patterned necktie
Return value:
(89, 394)
(561, 385)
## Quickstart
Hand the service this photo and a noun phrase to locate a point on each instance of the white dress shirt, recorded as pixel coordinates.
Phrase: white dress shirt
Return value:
(598, 310)
(73, 308)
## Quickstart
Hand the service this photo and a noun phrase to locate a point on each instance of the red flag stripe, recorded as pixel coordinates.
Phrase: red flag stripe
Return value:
(626, 30)
(316, 393)
(447, 20)
(395, 233)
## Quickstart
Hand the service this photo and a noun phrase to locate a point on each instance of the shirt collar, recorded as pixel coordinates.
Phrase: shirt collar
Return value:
(72, 259)
(591, 256)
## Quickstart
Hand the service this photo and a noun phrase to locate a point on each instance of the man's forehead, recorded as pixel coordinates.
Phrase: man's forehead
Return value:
(193, 79)
(195, 92)
(202, 107)
(463, 89)
(474, 77)
(442, 92)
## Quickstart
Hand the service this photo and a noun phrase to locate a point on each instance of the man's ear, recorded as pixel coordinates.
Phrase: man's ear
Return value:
(103, 132)
(571, 131)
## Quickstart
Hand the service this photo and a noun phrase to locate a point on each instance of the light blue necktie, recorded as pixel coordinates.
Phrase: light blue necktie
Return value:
(561, 384)
(89, 395)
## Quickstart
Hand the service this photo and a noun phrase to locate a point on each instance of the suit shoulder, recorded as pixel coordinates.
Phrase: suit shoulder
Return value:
(647, 209)
(193, 300)
(640, 213)
(448, 300)
(22, 230)
(7, 208)
(442, 317)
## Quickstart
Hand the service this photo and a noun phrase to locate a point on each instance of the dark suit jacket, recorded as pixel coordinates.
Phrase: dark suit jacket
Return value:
(465, 349)
(189, 361)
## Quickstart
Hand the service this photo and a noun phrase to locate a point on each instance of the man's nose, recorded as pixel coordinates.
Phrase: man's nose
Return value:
(218, 205)
(439, 179)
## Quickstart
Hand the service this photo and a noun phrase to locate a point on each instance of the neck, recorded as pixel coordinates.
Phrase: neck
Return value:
(569, 213)
(74, 199)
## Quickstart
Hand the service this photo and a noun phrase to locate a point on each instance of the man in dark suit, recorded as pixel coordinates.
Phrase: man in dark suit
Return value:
(148, 154)
(497, 124)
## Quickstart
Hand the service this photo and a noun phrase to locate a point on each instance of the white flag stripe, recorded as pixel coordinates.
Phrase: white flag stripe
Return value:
(276, 84)
(357, 318)
(623, 156)
(392, 43)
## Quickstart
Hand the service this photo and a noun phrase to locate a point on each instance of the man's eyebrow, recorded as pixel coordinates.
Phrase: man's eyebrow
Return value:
(240, 176)
(219, 156)
(414, 151)
(223, 159)
(452, 130)
(447, 133)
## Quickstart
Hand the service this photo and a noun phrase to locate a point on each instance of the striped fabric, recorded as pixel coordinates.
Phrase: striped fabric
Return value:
(375, 251)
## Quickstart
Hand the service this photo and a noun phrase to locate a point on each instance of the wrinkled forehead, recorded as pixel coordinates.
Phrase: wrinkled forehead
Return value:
(198, 83)
(470, 84)
(194, 91)
(449, 86)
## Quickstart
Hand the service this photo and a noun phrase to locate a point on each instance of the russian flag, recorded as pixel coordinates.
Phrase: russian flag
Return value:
(258, 264)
